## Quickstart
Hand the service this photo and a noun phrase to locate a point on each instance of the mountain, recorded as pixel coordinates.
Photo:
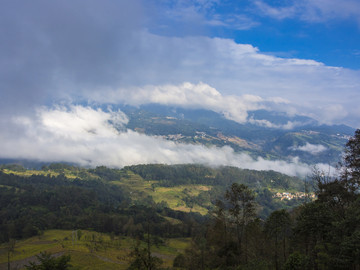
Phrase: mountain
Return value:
(271, 135)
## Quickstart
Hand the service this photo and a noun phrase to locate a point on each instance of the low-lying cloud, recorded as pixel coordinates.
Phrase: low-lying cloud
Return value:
(92, 137)
(266, 123)
(310, 148)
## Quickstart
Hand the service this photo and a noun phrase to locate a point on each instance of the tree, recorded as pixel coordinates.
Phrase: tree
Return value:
(143, 260)
(219, 229)
(179, 261)
(47, 262)
(277, 227)
(242, 204)
(350, 174)
(296, 261)
(327, 230)
(10, 249)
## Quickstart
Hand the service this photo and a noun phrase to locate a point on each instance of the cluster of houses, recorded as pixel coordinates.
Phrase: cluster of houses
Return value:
(291, 196)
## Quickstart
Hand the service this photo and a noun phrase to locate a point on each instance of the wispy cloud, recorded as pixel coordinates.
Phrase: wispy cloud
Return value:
(204, 13)
(276, 12)
(331, 9)
(232, 21)
(313, 10)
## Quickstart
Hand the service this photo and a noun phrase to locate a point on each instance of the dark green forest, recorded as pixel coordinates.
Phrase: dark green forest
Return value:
(245, 227)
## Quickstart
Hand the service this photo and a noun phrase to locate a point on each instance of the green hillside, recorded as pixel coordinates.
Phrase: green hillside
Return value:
(187, 188)
(115, 209)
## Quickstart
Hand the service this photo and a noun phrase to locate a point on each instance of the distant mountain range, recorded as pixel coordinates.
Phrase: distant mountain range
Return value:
(271, 135)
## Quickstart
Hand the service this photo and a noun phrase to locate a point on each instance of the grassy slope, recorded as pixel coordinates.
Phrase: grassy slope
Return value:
(92, 251)
(173, 196)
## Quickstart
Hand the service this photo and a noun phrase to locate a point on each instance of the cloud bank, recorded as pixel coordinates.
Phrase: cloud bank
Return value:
(92, 137)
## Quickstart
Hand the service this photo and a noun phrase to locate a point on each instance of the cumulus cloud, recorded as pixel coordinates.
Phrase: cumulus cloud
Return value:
(88, 137)
(187, 95)
(310, 148)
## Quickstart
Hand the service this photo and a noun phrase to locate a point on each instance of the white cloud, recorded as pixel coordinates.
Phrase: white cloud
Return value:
(86, 136)
(265, 123)
(239, 69)
(204, 13)
(313, 10)
(320, 10)
(276, 12)
(81, 123)
(310, 148)
(326, 107)
(202, 96)
(233, 21)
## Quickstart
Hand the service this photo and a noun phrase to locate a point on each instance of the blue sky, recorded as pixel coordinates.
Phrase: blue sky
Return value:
(233, 57)
(326, 31)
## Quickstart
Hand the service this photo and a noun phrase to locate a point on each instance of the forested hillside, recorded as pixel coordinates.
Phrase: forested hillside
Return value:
(102, 199)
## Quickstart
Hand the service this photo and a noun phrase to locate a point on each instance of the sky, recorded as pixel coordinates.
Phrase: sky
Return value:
(299, 57)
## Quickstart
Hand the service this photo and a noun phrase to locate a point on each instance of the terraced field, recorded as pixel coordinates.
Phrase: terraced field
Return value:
(175, 197)
(89, 250)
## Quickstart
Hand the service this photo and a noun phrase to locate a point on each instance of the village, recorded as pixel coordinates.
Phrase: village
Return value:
(291, 196)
